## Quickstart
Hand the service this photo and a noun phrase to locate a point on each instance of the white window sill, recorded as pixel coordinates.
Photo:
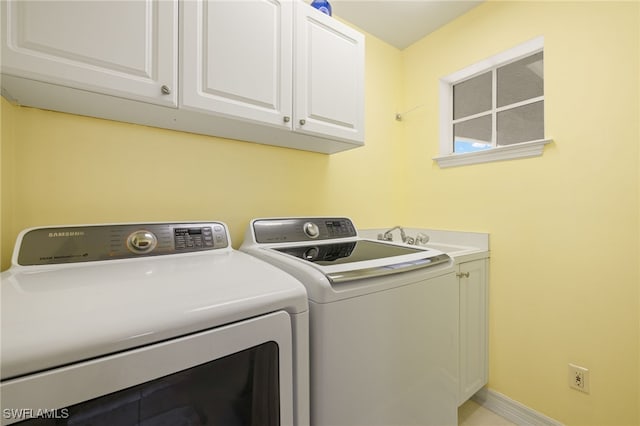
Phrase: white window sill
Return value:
(507, 152)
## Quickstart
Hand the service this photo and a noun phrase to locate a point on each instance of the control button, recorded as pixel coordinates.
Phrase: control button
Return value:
(311, 230)
(311, 253)
(141, 241)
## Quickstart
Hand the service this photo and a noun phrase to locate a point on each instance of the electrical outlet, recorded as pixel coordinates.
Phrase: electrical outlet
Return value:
(579, 378)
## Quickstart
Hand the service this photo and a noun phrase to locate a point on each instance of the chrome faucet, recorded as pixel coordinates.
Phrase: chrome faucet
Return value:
(421, 238)
(388, 237)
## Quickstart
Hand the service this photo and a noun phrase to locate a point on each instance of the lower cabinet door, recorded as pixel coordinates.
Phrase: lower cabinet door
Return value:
(473, 328)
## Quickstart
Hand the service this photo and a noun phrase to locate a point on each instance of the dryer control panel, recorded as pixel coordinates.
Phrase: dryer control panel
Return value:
(71, 244)
(287, 230)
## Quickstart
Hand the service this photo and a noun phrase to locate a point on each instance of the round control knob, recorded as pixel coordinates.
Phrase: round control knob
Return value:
(141, 242)
(311, 230)
(311, 253)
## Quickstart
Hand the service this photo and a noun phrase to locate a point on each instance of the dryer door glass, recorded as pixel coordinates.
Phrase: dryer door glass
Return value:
(239, 389)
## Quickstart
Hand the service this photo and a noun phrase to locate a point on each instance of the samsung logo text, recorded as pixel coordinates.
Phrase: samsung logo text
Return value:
(66, 234)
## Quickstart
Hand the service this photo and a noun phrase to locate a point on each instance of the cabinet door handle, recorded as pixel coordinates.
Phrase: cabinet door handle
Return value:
(302, 121)
(286, 119)
(463, 275)
(165, 90)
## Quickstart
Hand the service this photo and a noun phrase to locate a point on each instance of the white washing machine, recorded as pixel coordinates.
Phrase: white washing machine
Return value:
(150, 324)
(383, 321)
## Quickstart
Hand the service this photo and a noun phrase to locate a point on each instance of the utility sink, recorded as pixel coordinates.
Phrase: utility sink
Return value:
(429, 238)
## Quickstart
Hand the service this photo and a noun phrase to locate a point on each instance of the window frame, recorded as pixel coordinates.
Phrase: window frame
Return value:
(447, 158)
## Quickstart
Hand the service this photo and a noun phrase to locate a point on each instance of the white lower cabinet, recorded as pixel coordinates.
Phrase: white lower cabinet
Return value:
(473, 359)
(277, 72)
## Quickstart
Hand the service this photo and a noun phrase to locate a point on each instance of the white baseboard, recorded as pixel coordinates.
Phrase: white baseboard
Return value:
(512, 410)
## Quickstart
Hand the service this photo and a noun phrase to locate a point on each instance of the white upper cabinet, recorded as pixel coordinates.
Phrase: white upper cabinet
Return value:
(242, 56)
(329, 85)
(238, 59)
(120, 48)
(276, 72)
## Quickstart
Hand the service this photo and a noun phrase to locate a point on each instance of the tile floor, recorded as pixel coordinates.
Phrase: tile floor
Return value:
(473, 414)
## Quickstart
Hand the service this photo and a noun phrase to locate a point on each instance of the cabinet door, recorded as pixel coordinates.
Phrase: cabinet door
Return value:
(120, 48)
(473, 328)
(236, 59)
(329, 86)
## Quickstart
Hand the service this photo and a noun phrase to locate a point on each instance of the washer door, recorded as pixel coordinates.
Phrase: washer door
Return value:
(237, 374)
(355, 260)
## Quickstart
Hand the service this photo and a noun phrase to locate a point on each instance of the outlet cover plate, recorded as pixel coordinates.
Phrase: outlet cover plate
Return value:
(578, 378)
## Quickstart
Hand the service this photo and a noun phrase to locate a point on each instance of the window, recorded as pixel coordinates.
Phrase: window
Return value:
(494, 110)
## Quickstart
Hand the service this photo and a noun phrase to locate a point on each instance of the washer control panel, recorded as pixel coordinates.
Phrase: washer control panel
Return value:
(302, 229)
(72, 244)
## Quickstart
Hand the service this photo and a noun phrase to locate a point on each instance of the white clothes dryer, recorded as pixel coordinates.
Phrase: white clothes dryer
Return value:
(383, 321)
(155, 323)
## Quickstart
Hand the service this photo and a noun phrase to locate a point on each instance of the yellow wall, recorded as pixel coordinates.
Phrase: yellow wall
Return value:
(7, 168)
(564, 226)
(565, 234)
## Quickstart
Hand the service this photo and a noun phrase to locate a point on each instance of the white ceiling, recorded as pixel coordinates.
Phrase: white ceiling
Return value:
(400, 22)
